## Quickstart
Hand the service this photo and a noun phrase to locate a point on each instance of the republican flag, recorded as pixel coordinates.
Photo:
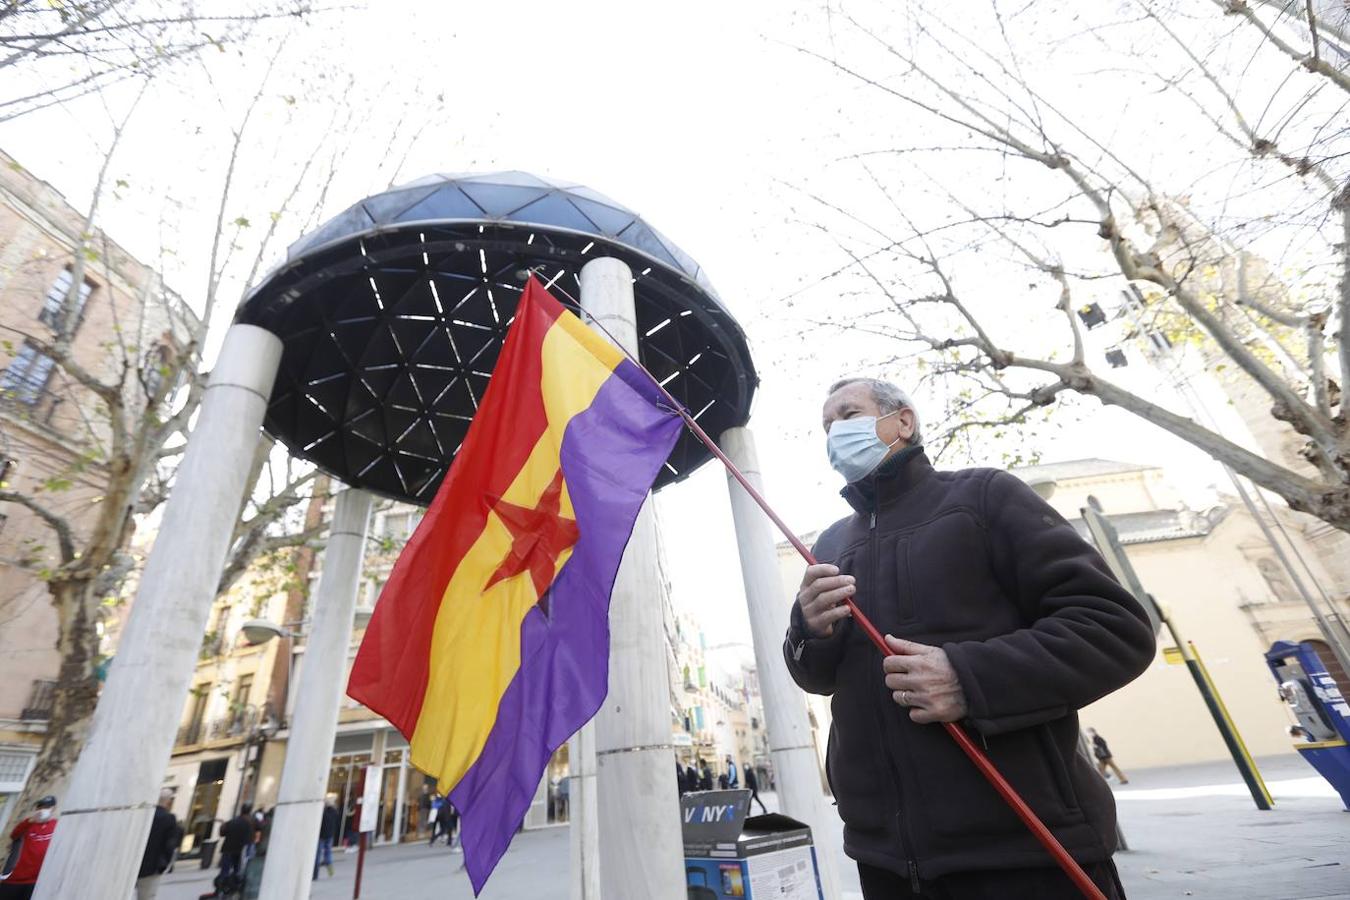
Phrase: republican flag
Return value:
(489, 646)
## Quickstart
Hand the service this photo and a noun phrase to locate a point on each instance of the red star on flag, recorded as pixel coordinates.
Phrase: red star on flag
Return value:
(538, 537)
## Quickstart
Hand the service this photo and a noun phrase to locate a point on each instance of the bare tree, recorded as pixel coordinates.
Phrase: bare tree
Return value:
(128, 412)
(52, 53)
(1082, 216)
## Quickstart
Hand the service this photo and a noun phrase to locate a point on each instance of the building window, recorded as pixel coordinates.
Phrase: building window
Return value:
(41, 700)
(156, 366)
(56, 303)
(25, 380)
(400, 524)
(1276, 580)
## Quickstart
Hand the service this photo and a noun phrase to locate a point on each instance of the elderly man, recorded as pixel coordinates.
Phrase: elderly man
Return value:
(998, 616)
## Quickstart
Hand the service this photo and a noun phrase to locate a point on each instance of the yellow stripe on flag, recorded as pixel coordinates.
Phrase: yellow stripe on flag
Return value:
(475, 645)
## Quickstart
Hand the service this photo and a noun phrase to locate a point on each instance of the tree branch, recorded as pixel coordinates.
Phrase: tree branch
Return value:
(65, 536)
(1311, 63)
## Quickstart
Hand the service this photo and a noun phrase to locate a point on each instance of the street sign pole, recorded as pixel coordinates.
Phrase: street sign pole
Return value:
(1104, 535)
(367, 814)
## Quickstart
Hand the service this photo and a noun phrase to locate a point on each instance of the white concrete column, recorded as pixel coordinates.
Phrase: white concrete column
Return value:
(583, 815)
(641, 851)
(105, 815)
(785, 716)
(309, 749)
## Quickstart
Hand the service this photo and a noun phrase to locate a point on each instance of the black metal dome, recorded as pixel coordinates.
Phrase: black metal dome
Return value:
(393, 312)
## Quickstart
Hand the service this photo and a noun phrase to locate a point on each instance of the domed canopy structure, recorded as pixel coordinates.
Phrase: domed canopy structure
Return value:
(393, 312)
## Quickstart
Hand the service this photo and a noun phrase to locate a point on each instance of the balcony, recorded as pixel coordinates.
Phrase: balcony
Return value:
(236, 725)
(41, 697)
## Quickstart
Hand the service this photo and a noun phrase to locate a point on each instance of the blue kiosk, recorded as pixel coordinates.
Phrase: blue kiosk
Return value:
(1322, 732)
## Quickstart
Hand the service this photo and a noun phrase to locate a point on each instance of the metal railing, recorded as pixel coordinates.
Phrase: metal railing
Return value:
(41, 698)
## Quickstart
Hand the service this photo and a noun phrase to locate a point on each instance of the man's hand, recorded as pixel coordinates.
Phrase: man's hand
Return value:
(922, 678)
(822, 598)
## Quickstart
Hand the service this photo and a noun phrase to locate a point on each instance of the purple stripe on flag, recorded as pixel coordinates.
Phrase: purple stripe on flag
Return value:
(611, 453)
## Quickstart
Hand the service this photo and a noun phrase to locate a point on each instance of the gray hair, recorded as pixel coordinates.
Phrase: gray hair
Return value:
(888, 399)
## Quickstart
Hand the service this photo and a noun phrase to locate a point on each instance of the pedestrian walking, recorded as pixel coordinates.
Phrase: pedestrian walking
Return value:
(235, 835)
(752, 784)
(160, 848)
(681, 785)
(997, 614)
(450, 819)
(564, 797)
(28, 848)
(705, 779)
(733, 777)
(436, 802)
(691, 778)
(1104, 758)
(328, 829)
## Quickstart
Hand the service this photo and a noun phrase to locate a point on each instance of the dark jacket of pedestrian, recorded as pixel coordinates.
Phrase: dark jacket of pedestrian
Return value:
(236, 834)
(751, 781)
(1099, 747)
(161, 844)
(328, 824)
(1035, 627)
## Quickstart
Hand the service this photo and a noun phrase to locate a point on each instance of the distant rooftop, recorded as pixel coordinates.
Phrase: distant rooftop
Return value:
(1079, 468)
(1159, 525)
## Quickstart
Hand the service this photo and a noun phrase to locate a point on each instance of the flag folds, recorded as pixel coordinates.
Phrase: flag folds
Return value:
(489, 645)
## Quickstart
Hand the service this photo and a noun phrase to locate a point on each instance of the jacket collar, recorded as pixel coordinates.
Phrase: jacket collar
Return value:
(890, 480)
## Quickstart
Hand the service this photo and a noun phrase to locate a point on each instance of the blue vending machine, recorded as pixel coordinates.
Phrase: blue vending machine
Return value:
(1322, 717)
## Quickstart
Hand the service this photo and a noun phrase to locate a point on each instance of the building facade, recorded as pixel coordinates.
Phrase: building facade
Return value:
(52, 429)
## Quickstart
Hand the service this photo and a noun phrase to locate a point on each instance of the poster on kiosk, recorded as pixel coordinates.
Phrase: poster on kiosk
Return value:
(729, 855)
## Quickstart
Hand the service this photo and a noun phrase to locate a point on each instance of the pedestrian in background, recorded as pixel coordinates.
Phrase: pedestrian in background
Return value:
(691, 777)
(328, 829)
(752, 783)
(449, 818)
(733, 777)
(235, 836)
(1104, 758)
(33, 835)
(705, 781)
(437, 801)
(564, 796)
(160, 848)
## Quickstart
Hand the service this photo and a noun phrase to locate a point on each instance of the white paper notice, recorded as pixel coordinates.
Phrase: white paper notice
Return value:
(370, 800)
(784, 875)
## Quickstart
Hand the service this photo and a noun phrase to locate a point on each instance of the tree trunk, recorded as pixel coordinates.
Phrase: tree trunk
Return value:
(76, 695)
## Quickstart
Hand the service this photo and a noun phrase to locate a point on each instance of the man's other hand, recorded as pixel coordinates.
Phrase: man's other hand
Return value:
(822, 598)
(922, 679)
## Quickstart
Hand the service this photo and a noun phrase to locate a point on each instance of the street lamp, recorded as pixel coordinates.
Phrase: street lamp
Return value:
(260, 631)
(1044, 488)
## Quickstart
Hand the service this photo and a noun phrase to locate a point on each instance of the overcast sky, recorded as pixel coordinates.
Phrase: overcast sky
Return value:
(707, 118)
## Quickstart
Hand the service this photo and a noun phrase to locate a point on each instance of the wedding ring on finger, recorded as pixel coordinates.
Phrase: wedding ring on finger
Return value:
(904, 698)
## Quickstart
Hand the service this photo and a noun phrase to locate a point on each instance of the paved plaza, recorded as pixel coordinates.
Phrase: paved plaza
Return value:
(1193, 832)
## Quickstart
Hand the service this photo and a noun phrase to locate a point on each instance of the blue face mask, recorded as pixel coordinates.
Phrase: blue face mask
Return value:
(854, 448)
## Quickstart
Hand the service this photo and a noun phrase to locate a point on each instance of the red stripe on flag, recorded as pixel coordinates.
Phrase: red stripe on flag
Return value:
(391, 669)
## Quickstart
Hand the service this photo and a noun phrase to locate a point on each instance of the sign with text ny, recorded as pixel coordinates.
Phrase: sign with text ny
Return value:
(729, 855)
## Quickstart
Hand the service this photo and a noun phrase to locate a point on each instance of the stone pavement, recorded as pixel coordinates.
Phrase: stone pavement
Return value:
(1193, 832)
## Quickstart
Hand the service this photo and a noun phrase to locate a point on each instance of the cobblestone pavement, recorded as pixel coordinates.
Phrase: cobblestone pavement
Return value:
(1193, 833)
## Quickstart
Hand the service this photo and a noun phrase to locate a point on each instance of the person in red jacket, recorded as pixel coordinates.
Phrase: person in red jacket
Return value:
(34, 836)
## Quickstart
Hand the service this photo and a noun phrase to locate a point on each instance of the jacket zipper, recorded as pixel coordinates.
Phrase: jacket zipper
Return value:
(901, 830)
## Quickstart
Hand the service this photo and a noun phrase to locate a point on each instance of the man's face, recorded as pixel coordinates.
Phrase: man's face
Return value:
(854, 400)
